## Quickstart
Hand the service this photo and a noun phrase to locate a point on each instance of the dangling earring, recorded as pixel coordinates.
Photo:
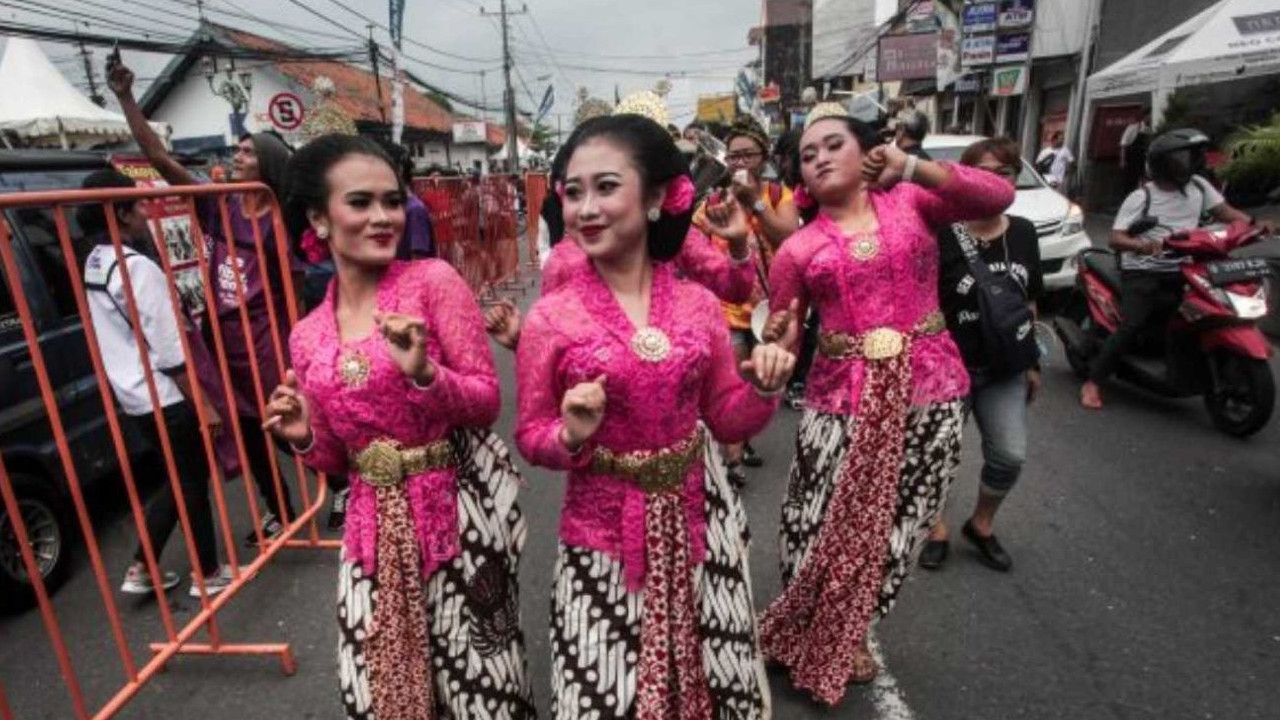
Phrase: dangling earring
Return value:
(653, 214)
(322, 232)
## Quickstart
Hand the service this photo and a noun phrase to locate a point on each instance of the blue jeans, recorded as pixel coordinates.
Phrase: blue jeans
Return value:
(999, 406)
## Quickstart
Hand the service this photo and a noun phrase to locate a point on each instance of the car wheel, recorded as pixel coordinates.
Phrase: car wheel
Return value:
(47, 521)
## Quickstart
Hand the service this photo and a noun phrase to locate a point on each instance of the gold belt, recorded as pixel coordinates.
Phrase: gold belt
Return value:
(383, 462)
(654, 471)
(879, 343)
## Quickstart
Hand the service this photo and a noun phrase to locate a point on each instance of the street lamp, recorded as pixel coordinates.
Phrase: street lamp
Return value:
(235, 89)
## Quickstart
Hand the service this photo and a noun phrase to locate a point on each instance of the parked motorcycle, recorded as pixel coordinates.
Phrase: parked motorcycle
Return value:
(1210, 346)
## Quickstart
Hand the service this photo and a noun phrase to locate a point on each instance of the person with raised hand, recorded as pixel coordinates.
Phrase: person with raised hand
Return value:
(879, 439)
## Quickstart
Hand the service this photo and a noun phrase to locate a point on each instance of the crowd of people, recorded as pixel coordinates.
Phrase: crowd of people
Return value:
(870, 271)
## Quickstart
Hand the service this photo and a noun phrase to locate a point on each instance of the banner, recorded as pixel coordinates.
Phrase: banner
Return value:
(471, 132)
(980, 50)
(1013, 48)
(948, 55)
(717, 108)
(170, 223)
(548, 100)
(907, 57)
(978, 18)
(396, 10)
(1016, 14)
(1009, 81)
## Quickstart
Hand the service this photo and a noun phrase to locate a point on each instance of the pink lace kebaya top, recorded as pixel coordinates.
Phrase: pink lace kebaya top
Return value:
(346, 416)
(579, 333)
(896, 287)
(698, 260)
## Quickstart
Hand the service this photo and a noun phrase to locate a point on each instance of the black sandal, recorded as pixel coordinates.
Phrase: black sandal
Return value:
(990, 552)
(933, 554)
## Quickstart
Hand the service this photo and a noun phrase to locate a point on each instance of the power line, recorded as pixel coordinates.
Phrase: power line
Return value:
(202, 46)
(410, 40)
(80, 18)
(669, 56)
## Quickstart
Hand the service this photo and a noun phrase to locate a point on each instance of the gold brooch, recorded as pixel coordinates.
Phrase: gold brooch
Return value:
(354, 369)
(651, 344)
(865, 246)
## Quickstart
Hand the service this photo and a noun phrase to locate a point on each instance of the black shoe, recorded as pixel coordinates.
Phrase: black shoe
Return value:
(271, 527)
(934, 552)
(989, 550)
(750, 458)
(737, 478)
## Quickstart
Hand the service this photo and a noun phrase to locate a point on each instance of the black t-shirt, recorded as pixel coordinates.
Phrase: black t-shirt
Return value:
(955, 283)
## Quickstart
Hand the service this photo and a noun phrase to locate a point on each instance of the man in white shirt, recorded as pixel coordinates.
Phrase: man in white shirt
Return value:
(161, 330)
(1055, 161)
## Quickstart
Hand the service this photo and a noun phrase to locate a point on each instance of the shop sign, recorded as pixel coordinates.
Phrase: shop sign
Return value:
(978, 50)
(1009, 81)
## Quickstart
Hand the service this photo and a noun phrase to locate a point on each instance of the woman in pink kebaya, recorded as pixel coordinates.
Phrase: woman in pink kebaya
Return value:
(395, 388)
(879, 440)
(627, 382)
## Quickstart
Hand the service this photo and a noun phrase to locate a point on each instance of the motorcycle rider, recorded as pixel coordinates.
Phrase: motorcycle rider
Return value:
(1174, 199)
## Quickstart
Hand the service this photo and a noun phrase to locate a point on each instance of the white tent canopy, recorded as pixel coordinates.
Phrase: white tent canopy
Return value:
(43, 108)
(1230, 40)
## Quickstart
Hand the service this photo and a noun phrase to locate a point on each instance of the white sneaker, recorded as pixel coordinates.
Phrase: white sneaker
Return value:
(213, 584)
(138, 582)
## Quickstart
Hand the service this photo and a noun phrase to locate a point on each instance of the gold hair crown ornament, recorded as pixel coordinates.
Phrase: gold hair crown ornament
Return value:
(646, 103)
(825, 110)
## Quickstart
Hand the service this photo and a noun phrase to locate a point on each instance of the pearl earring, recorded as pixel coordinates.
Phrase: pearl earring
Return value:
(322, 232)
(654, 214)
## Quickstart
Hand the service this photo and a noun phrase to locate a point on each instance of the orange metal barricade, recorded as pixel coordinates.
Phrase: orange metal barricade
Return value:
(300, 531)
(536, 186)
(476, 227)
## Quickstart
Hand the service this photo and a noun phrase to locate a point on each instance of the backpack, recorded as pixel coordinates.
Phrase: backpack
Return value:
(1006, 322)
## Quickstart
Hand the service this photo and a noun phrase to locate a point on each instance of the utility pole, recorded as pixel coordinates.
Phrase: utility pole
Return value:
(484, 99)
(94, 95)
(508, 94)
(377, 78)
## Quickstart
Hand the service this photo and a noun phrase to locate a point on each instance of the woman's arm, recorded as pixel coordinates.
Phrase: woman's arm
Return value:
(539, 427)
(464, 388)
(731, 407)
(732, 276)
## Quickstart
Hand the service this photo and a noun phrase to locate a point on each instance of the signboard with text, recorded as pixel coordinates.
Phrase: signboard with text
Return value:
(1011, 48)
(907, 57)
(171, 224)
(469, 133)
(977, 50)
(978, 17)
(1016, 14)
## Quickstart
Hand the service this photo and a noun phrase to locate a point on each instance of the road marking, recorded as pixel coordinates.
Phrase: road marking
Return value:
(888, 698)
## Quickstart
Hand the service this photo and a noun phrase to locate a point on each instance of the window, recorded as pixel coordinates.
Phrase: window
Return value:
(37, 227)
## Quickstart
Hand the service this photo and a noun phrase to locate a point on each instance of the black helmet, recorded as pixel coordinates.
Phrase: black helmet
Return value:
(1173, 157)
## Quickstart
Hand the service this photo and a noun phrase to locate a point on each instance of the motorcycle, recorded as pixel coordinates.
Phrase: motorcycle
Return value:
(1210, 346)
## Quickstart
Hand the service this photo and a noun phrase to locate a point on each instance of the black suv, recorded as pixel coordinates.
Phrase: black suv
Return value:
(26, 436)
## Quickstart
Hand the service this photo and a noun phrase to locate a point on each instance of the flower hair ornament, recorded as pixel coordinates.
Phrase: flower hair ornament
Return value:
(314, 245)
(802, 199)
(679, 197)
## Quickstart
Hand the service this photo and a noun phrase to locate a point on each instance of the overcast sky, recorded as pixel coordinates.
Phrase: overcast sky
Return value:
(570, 43)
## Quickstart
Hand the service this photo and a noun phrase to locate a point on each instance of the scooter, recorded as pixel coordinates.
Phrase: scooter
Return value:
(1210, 346)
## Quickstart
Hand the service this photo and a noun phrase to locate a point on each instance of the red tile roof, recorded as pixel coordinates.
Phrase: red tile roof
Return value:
(356, 88)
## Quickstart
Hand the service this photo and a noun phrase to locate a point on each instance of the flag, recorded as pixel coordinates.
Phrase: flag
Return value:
(548, 99)
(396, 9)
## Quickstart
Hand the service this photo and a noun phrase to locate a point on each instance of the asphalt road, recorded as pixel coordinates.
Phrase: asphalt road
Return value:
(1144, 586)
